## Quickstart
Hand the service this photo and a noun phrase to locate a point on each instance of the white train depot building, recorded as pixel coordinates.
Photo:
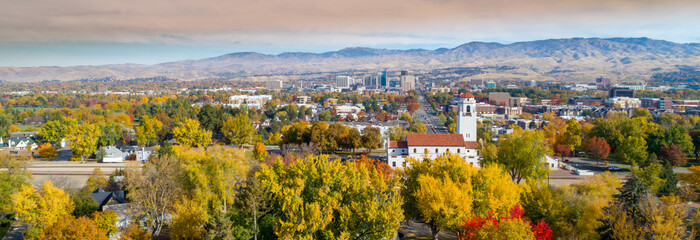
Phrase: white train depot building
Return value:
(462, 143)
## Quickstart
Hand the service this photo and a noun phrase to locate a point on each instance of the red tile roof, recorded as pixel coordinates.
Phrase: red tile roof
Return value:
(466, 95)
(398, 144)
(423, 139)
(471, 145)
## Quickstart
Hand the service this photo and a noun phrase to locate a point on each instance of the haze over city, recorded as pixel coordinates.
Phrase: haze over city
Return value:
(66, 33)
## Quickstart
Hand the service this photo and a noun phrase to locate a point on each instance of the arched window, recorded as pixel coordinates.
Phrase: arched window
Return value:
(414, 150)
(469, 108)
(436, 150)
(458, 150)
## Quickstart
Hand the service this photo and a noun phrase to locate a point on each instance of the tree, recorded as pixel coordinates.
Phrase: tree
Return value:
(598, 148)
(632, 150)
(83, 140)
(110, 133)
(13, 175)
(439, 191)
(324, 116)
(316, 197)
(573, 135)
(55, 131)
(406, 117)
(670, 186)
(695, 136)
(521, 154)
(188, 219)
(188, 133)
(674, 154)
(259, 152)
(371, 138)
(493, 191)
(396, 133)
(96, 180)
(542, 203)
(74, 228)
(352, 139)
(156, 187)
(417, 127)
(5, 122)
(239, 130)
(674, 135)
(41, 208)
(147, 131)
(513, 226)
(47, 151)
(134, 231)
(319, 135)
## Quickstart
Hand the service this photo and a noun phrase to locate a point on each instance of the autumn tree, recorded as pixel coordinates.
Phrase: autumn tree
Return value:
(674, 154)
(83, 140)
(371, 138)
(96, 180)
(446, 190)
(238, 129)
(56, 130)
(47, 151)
(259, 151)
(41, 208)
(512, 226)
(13, 175)
(417, 127)
(521, 154)
(597, 148)
(188, 133)
(110, 133)
(316, 197)
(156, 187)
(147, 131)
(632, 150)
(73, 228)
(352, 139)
(573, 135)
(695, 136)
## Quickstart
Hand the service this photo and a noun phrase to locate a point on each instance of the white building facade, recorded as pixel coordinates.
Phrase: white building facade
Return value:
(462, 143)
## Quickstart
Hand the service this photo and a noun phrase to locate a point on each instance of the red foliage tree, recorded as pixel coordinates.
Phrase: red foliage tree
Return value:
(562, 150)
(674, 154)
(598, 148)
(490, 227)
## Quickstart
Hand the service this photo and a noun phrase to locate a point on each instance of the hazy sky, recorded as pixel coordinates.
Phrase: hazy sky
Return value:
(90, 32)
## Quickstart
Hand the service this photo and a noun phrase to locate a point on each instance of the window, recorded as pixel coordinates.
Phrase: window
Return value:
(414, 150)
(459, 149)
(393, 164)
(469, 108)
(436, 150)
(393, 150)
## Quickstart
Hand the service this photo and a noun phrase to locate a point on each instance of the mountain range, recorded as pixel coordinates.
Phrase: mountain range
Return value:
(574, 59)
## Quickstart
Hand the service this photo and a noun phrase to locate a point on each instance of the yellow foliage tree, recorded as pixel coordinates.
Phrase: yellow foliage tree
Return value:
(259, 151)
(494, 191)
(188, 220)
(41, 208)
(96, 180)
(188, 133)
(47, 151)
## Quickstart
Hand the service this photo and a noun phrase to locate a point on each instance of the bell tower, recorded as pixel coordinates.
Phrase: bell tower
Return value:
(466, 117)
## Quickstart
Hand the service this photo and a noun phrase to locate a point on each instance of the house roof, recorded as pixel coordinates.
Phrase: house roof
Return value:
(398, 144)
(23, 134)
(102, 197)
(471, 144)
(423, 139)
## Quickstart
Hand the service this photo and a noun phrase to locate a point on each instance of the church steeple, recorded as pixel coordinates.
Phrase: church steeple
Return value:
(466, 118)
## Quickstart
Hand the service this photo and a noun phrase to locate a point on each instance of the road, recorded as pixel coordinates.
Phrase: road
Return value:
(428, 117)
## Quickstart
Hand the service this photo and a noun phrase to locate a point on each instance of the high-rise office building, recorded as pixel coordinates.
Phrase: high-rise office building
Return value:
(382, 79)
(408, 82)
(371, 82)
(344, 81)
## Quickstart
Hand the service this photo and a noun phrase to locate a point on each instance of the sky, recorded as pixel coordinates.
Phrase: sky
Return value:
(89, 32)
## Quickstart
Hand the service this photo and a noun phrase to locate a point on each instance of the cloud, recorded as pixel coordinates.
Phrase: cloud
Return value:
(301, 21)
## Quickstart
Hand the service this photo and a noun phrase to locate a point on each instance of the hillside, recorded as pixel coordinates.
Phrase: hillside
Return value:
(622, 59)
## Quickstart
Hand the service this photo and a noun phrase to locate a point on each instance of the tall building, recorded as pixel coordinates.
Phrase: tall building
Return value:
(344, 81)
(602, 83)
(371, 82)
(620, 92)
(275, 84)
(408, 82)
(382, 79)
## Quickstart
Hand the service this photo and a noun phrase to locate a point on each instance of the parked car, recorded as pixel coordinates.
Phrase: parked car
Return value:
(614, 168)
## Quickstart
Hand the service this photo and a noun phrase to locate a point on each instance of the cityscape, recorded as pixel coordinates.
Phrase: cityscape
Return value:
(329, 120)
